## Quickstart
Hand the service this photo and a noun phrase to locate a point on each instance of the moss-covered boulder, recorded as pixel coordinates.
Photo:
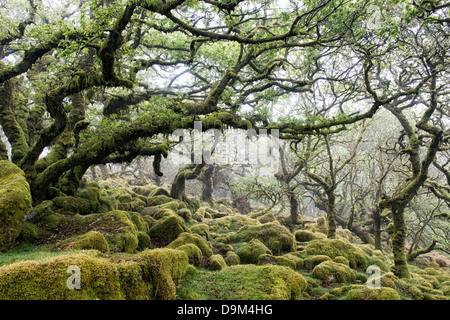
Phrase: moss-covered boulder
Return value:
(91, 240)
(232, 258)
(193, 252)
(153, 274)
(40, 211)
(306, 235)
(15, 202)
(230, 223)
(334, 248)
(158, 200)
(29, 233)
(216, 262)
(144, 241)
(168, 228)
(116, 226)
(187, 237)
(70, 205)
(363, 293)
(331, 271)
(250, 252)
(275, 236)
(139, 221)
(276, 260)
(245, 282)
(202, 229)
(312, 261)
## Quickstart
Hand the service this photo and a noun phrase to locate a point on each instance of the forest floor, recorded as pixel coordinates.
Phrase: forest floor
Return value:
(229, 256)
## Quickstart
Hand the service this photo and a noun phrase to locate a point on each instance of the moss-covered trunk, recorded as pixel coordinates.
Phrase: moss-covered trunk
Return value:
(293, 202)
(178, 189)
(377, 228)
(331, 215)
(208, 184)
(398, 242)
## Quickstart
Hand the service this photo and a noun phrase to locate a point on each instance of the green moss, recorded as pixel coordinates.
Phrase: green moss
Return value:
(168, 228)
(29, 233)
(201, 229)
(158, 191)
(216, 262)
(276, 260)
(143, 190)
(92, 194)
(15, 202)
(334, 248)
(47, 279)
(245, 282)
(152, 274)
(331, 271)
(125, 198)
(342, 260)
(231, 223)
(372, 294)
(51, 221)
(320, 226)
(275, 236)
(158, 200)
(187, 237)
(71, 205)
(306, 236)
(312, 261)
(144, 241)
(232, 258)
(185, 213)
(139, 221)
(90, 240)
(250, 252)
(199, 214)
(299, 263)
(193, 252)
(40, 211)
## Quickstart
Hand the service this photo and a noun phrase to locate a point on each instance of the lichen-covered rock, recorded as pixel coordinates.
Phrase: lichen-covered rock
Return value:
(187, 237)
(330, 271)
(216, 262)
(334, 248)
(15, 202)
(250, 252)
(168, 228)
(91, 240)
(363, 293)
(275, 236)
